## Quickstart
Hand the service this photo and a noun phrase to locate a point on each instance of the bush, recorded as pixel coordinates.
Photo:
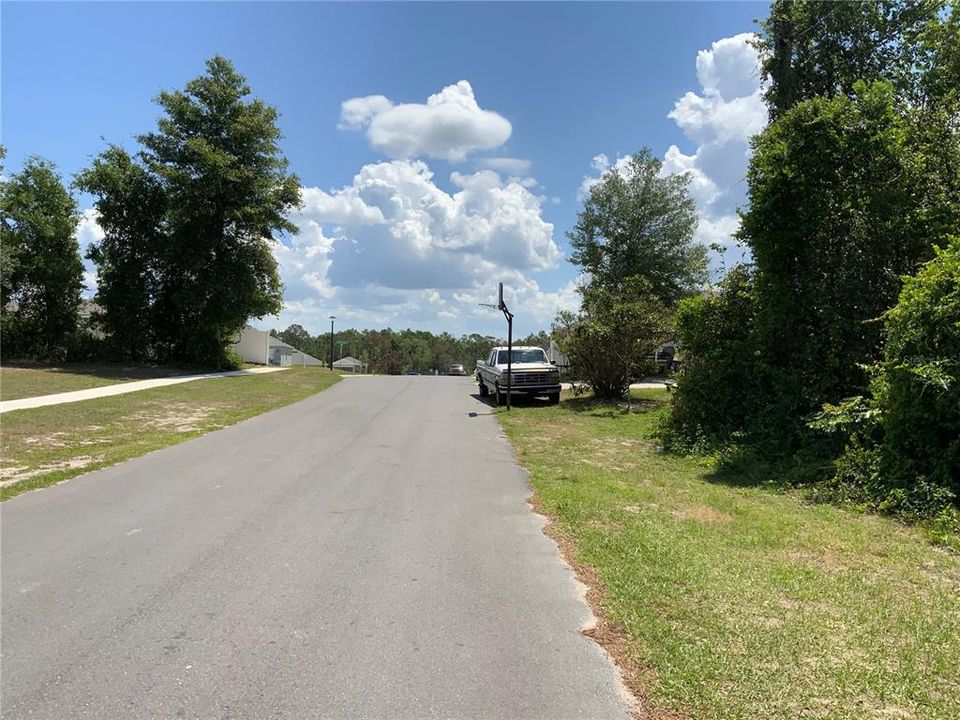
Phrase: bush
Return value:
(902, 453)
(718, 392)
(918, 385)
(609, 340)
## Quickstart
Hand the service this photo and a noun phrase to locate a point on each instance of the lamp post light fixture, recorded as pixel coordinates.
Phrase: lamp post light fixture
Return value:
(332, 318)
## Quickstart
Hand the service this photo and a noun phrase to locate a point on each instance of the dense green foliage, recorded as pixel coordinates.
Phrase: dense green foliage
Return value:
(722, 364)
(130, 206)
(902, 440)
(187, 258)
(918, 385)
(633, 242)
(42, 274)
(850, 188)
(822, 49)
(609, 340)
(838, 212)
(637, 223)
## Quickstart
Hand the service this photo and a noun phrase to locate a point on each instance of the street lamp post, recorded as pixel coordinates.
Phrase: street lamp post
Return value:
(332, 318)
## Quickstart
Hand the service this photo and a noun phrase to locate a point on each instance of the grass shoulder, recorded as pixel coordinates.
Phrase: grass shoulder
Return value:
(729, 601)
(45, 445)
(24, 380)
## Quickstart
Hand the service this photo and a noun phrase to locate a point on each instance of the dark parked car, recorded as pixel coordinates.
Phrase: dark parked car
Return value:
(457, 370)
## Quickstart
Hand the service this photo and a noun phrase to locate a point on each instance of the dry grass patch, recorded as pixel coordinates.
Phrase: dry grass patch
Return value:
(45, 445)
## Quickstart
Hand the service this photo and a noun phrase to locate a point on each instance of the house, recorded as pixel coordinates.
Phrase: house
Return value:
(261, 348)
(350, 364)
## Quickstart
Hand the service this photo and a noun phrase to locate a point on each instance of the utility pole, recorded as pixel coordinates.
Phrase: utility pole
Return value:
(509, 316)
(340, 344)
(332, 318)
(502, 307)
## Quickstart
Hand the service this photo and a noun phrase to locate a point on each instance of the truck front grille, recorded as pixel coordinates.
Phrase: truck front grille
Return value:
(533, 378)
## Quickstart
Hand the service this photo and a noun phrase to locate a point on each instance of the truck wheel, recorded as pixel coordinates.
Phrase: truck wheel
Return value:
(554, 398)
(483, 389)
(498, 396)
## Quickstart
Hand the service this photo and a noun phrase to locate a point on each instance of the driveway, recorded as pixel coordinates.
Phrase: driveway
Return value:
(365, 553)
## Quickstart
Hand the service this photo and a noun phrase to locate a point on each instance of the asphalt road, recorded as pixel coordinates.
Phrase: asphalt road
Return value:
(366, 553)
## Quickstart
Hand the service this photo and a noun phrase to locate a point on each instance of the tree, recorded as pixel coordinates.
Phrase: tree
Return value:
(815, 49)
(43, 277)
(841, 205)
(610, 338)
(297, 336)
(637, 223)
(215, 155)
(130, 207)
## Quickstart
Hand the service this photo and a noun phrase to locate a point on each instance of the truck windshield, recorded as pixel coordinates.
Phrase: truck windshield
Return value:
(522, 356)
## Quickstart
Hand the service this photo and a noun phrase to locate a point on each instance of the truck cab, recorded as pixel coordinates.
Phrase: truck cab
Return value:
(530, 374)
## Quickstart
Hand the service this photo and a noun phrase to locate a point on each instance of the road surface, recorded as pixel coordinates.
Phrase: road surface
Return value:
(366, 553)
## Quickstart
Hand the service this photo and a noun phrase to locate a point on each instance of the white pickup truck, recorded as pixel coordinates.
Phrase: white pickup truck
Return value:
(531, 374)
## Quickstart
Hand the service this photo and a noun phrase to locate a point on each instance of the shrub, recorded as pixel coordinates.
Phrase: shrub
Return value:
(918, 386)
(717, 393)
(902, 444)
(609, 340)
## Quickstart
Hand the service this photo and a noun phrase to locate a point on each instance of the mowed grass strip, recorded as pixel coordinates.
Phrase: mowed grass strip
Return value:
(729, 602)
(46, 445)
(23, 381)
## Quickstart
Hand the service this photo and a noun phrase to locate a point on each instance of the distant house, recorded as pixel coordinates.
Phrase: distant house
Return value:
(262, 348)
(350, 364)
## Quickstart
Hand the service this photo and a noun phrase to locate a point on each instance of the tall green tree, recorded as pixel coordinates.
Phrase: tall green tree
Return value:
(130, 205)
(43, 274)
(821, 49)
(217, 158)
(838, 213)
(638, 223)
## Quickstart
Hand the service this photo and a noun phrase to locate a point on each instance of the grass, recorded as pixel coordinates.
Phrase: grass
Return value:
(734, 602)
(28, 380)
(46, 445)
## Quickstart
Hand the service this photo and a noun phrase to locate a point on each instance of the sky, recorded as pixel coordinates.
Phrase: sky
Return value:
(441, 148)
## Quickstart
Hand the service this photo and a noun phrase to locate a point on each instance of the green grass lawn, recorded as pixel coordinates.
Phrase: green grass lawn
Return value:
(22, 381)
(45, 445)
(736, 602)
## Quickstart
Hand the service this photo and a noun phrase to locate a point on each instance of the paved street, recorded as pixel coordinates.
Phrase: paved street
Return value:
(366, 553)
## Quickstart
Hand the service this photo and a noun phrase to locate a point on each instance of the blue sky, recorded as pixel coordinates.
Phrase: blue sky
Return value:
(414, 209)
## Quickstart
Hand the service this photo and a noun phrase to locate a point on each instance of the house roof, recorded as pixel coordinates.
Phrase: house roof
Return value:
(348, 361)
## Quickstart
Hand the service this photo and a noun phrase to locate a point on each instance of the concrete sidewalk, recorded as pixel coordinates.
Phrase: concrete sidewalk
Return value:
(120, 389)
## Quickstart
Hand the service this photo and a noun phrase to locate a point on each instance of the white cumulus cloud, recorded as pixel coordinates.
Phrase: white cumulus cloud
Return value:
(450, 125)
(719, 120)
(393, 247)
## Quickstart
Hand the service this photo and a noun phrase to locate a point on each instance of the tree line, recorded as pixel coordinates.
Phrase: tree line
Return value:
(832, 358)
(188, 221)
(397, 352)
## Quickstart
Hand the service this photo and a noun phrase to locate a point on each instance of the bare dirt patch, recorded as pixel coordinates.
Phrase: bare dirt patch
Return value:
(702, 513)
(10, 474)
(52, 440)
(179, 417)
